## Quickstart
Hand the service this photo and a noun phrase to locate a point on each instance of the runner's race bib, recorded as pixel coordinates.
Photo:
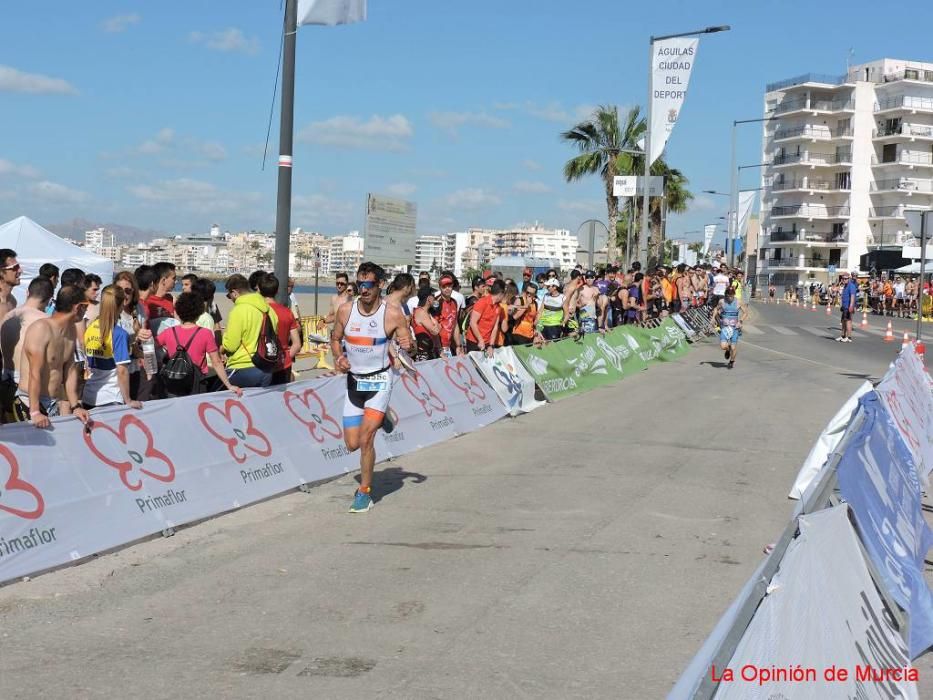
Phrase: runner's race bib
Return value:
(727, 332)
(373, 382)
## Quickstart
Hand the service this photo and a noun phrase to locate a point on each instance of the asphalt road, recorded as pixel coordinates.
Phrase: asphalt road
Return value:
(584, 550)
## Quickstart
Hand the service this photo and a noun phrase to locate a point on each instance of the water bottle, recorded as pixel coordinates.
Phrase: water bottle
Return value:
(446, 353)
(150, 364)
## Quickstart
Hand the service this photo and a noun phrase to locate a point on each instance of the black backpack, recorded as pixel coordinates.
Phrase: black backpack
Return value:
(180, 375)
(268, 356)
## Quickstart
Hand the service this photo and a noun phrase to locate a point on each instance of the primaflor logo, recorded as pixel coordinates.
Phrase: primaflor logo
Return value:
(233, 426)
(461, 377)
(422, 392)
(309, 409)
(130, 449)
(17, 496)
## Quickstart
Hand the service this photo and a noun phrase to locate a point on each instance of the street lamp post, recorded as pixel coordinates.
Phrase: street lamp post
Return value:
(734, 186)
(643, 253)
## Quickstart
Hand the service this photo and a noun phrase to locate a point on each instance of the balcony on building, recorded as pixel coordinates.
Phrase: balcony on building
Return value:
(902, 132)
(809, 212)
(812, 105)
(917, 75)
(837, 185)
(909, 104)
(908, 186)
(895, 212)
(891, 156)
(813, 159)
(803, 262)
(807, 237)
(811, 133)
(822, 81)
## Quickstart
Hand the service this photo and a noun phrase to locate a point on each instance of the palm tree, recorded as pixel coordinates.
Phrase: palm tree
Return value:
(601, 140)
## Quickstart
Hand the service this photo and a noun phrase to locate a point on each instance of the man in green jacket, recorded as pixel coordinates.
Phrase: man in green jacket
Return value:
(242, 334)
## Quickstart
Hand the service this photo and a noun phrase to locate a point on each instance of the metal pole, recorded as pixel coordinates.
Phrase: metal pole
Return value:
(643, 248)
(283, 212)
(591, 244)
(630, 233)
(317, 274)
(923, 261)
(734, 203)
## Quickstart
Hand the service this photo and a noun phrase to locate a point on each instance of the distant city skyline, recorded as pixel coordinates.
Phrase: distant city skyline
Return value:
(154, 116)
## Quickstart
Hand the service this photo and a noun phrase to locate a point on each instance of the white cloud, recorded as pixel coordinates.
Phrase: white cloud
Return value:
(471, 198)
(321, 206)
(162, 140)
(120, 23)
(531, 164)
(228, 40)
(556, 112)
(187, 193)
(9, 168)
(176, 151)
(212, 150)
(120, 172)
(530, 187)
(376, 133)
(708, 204)
(452, 121)
(582, 206)
(401, 189)
(12, 80)
(54, 192)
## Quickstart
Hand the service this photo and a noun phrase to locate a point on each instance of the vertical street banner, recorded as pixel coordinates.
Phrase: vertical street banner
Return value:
(708, 232)
(746, 201)
(509, 379)
(879, 481)
(671, 65)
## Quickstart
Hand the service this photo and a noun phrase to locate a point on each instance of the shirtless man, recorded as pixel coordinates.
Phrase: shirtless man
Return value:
(343, 295)
(13, 328)
(684, 284)
(48, 363)
(10, 274)
(587, 303)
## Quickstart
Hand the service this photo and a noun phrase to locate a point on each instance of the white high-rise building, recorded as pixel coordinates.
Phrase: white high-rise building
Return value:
(97, 239)
(346, 253)
(429, 254)
(456, 247)
(846, 157)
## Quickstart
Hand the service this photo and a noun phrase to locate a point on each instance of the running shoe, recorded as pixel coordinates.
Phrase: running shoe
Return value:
(362, 502)
(731, 364)
(848, 339)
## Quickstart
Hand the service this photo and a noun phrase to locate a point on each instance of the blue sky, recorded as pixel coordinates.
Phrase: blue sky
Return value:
(155, 114)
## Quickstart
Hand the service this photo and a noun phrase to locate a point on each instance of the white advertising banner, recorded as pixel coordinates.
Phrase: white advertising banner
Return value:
(708, 232)
(907, 393)
(66, 494)
(746, 201)
(509, 379)
(671, 64)
(822, 630)
(826, 443)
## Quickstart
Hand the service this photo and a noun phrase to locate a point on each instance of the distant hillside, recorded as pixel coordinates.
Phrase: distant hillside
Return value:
(122, 232)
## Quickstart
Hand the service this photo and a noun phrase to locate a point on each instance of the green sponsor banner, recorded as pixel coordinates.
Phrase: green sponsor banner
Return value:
(568, 366)
(663, 343)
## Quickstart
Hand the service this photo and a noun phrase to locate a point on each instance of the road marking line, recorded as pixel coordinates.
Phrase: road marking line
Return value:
(783, 331)
(752, 330)
(802, 359)
(821, 332)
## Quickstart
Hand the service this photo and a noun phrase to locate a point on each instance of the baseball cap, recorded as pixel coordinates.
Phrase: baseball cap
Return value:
(527, 271)
(551, 282)
(589, 274)
(446, 279)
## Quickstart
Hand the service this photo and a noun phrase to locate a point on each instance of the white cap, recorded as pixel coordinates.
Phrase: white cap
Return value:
(551, 282)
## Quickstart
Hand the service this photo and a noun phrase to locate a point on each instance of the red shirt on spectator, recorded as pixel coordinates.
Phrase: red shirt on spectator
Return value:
(159, 307)
(287, 324)
(489, 316)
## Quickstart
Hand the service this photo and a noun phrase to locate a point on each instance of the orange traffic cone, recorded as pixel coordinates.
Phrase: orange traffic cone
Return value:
(829, 309)
(864, 319)
(906, 341)
(889, 334)
(812, 306)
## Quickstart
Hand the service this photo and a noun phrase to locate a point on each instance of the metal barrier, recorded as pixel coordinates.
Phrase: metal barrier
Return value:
(315, 343)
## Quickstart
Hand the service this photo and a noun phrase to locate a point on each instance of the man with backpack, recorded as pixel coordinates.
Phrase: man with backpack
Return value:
(250, 342)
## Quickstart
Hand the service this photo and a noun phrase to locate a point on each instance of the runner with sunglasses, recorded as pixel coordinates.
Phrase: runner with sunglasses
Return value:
(360, 343)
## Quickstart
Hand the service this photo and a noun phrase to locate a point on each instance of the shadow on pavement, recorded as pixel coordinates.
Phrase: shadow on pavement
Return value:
(388, 481)
(715, 364)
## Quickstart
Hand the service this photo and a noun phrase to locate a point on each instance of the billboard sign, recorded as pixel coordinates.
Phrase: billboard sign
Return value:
(389, 237)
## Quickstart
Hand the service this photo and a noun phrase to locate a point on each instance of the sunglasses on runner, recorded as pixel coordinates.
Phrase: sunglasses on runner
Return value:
(16, 267)
(341, 284)
(366, 285)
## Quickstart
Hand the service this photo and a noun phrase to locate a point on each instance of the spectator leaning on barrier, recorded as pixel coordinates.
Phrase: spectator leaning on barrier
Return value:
(287, 329)
(526, 315)
(108, 355)
(485, 319)
(449, 315)
(241, 337)
(14, 325)
(553, 311)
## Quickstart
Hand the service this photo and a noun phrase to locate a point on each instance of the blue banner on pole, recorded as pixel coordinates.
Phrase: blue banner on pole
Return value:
(878, 478)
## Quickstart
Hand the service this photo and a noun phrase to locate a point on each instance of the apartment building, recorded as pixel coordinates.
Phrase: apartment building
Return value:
(97, 239)
(845, 157)
(429, 253)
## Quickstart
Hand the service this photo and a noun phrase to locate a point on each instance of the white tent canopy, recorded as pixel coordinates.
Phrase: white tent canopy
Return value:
(35, 245)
